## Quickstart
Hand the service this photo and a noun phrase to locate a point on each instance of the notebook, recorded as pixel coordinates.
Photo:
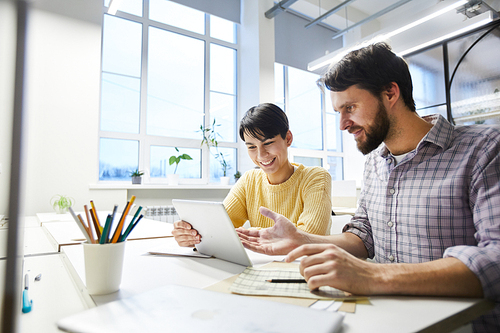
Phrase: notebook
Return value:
(180, 309)
(218, 236)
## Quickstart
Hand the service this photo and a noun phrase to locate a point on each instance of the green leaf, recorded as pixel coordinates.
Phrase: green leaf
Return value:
(185, 157)
(173, 160)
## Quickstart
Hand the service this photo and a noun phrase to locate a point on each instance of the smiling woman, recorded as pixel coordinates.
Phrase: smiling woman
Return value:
(302, 194)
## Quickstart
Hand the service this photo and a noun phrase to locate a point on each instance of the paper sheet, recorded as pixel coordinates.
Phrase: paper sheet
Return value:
(253, 282)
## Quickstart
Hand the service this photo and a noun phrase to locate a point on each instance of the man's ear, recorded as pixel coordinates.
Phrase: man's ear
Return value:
(392, 93)
(289, 138)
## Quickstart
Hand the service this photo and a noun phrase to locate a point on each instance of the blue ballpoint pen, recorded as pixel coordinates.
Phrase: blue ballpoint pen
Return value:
(26, 301)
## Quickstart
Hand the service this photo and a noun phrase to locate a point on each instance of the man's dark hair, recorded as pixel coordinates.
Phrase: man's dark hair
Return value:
(372, 68)
(264, 121)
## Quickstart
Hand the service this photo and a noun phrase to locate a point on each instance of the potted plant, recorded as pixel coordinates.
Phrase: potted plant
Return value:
(173, 179)
(237, 176)
(210, 139)
(61, 203)
(136, 176)
(224, 179)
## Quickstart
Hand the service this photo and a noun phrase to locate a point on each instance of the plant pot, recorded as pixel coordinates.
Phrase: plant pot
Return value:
(61, 210)
(224, 180)
(136, 180)
(173, 179)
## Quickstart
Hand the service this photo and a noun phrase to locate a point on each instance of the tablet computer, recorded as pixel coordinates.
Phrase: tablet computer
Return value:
(218, 236)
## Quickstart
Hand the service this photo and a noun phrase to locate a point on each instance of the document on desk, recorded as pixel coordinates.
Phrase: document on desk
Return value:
(177, 251)
(255, 282)
(180, 309)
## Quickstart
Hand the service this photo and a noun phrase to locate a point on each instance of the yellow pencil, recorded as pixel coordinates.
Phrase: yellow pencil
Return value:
(96, 217)
(119, 227)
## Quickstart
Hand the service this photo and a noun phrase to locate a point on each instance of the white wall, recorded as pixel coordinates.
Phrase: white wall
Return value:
(256, 63)
(63, 79)
(7, 64)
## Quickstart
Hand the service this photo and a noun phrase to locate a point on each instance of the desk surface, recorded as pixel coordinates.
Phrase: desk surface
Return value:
(344, 210)
(143, 272)
(68, 233)
(66, 293)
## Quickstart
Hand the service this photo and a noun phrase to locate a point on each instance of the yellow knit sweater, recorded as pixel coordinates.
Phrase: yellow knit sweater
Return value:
(305, 199)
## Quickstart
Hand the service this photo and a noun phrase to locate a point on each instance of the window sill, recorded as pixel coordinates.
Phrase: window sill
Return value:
(159, 187)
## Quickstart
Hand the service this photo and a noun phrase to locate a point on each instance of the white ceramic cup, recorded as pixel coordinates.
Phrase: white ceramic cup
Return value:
(103, 267)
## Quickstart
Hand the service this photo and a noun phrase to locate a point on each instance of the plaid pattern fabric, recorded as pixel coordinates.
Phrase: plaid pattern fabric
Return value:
(442, 200)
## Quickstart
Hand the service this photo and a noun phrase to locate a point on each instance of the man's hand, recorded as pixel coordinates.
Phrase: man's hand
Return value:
(329, 265)
(185, 235)
(277, 240)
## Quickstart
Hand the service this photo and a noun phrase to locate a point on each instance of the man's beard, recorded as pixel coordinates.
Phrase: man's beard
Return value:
(376, 133)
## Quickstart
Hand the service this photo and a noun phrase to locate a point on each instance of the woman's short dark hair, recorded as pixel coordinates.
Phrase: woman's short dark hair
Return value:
(372, 68)
(264, 121)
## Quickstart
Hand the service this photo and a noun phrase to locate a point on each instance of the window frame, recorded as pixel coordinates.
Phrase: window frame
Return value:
(145, 140)
(323, 153)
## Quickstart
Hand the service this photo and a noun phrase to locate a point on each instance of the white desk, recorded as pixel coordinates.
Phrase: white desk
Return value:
(62, 291)
(143, 272)
(344, 210)
(68, 233)
(54, 296)
(35, 242)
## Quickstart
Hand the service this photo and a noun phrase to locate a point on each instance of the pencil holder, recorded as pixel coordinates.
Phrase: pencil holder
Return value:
(103, 267)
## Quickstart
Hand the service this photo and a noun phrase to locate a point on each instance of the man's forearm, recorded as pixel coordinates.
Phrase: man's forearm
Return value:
(443, 277)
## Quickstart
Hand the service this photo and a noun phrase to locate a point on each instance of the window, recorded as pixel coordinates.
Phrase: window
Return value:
(167, 71)
(473, 78)
(317, 139)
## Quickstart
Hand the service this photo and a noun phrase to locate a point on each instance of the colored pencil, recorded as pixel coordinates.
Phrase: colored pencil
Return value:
(125, 236)
(96, 217)
(105, 230)
(119, 227)
(80, 225)
(96, 225)
(129, 228)
(92, 240)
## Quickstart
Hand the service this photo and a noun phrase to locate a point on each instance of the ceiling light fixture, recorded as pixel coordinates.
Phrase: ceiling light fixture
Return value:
(472, 24)
(427, 15)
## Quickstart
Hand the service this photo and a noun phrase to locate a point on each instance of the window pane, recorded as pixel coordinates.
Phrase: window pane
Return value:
(304, 109)
(475, 89)
(333, 132)
(120, 103)
(222, 69)
(133, 7)
(222, 29)
(279, 85)
(117, 158)
(160, 165)
(308, 161)
(179, 16)
(427, 72)
(336, 167)
(223, 110)
(438, 109)
(121, 46)
(216, 163)
(175, 85)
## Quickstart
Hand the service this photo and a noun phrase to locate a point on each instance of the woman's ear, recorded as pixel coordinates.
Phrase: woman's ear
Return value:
(289, 138)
